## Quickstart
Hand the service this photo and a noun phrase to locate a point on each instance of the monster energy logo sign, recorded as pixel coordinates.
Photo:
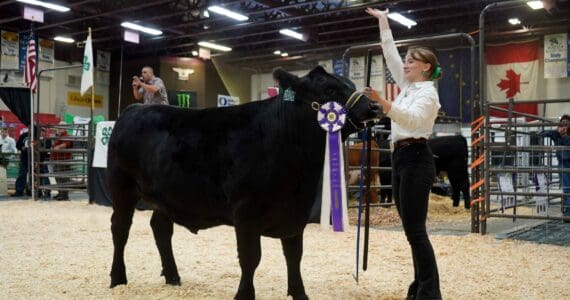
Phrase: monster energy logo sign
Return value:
(183, 100)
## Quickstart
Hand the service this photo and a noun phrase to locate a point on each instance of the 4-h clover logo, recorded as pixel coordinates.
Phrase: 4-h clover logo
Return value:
(86, 65)
(106, 135)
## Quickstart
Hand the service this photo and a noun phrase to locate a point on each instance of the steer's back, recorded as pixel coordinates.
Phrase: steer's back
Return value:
(176, 160)
(199, 164)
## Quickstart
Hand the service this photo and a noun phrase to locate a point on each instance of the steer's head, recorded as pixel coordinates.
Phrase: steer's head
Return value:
(321, 87)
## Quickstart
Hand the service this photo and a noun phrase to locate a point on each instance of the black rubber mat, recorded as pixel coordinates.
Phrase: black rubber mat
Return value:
(552, 232)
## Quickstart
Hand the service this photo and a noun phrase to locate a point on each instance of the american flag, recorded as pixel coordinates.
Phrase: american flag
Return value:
(392, 90)
(30, 69)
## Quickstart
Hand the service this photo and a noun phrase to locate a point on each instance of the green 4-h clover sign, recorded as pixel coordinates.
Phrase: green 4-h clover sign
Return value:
(86, 65)
(106, 134)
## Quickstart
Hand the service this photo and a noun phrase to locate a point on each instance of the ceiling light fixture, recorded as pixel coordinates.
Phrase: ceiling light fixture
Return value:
(284, 54)
(141, 28)
(64, 39)
(535, 4)
(402, 20)
(277, 52)
(215, 46)
(52, 6)
(228, 13)
(514, 21)
(194, 53)
(292, 33)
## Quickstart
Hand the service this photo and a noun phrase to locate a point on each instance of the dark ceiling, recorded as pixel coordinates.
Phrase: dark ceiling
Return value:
(332, 25)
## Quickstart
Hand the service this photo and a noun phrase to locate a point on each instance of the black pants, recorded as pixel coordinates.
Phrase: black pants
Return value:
(413, 172)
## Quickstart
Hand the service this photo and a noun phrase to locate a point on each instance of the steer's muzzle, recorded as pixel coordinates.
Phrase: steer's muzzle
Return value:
(375, 109)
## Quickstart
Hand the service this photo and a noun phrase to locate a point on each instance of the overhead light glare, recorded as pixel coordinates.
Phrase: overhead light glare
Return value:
(402, 20)
(64, 39)
(51, 6)
(141, 28)
(194, 53)
(215, 46)
(514, 21)
(228, 13)
(535, 4)
(292, 33)
(277, 52)
(284, 54)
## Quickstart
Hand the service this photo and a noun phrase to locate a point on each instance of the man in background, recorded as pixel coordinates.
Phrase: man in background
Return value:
(150, 89)
(22, 145)
(7, 142)
(63, 142)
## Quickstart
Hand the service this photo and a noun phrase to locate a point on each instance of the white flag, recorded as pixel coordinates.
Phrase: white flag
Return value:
(87, 76)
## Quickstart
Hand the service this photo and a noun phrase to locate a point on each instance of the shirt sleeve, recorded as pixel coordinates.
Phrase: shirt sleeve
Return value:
(553, 134)
(423, 110)
(160, 85)
(393, 59)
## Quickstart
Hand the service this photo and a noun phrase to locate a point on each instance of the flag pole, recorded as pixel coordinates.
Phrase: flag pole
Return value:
(31, 129)
(91, 127)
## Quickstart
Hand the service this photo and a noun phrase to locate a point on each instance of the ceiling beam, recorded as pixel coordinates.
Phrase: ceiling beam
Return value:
(129, 9)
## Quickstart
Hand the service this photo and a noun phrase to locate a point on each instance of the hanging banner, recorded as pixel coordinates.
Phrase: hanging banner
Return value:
(47, 56)
(356, 71)
(75, 99)
(556, 55)
(24, 39)
(224, 100)
(9, 47)
(377, 73)
(102, 136)
(103, 61)
(338, 65)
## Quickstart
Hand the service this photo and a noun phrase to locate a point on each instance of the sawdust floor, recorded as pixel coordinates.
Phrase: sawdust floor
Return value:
(63, 250)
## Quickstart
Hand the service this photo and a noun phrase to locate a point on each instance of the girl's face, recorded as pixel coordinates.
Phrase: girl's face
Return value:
(413, 69)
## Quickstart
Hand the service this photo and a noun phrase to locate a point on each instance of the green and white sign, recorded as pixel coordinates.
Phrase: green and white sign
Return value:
(102, 136)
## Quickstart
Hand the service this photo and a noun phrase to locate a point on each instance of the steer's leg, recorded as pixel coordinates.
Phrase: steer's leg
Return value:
(466, 195)
(124, 200)
(455, 186)
(162, 227)
(249, 254)
(293, 250)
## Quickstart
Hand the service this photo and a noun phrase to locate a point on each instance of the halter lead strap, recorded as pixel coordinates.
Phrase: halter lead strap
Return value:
(353, 99)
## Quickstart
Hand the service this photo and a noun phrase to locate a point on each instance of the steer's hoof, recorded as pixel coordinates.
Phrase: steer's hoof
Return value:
(114, 283)
(173, 281)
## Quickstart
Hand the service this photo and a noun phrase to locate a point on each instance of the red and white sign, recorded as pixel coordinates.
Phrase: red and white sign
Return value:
(512, 72)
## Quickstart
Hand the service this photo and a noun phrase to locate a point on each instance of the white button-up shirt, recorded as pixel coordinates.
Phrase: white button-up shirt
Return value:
(414, 111)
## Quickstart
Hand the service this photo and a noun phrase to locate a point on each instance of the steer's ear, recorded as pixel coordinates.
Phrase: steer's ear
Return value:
(285, 79)
(318, 72)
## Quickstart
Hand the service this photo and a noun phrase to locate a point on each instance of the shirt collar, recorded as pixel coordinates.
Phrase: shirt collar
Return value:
(421, 84)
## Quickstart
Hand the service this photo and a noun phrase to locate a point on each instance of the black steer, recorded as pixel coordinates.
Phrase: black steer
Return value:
(450, 155)
(254, 166)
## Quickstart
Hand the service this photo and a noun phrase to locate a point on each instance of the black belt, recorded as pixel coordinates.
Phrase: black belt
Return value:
(409, 141)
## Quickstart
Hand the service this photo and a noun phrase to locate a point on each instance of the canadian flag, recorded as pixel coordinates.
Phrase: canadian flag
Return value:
(512, 72)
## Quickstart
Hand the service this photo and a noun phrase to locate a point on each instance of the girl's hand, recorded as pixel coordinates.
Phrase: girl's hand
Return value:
(377, 13)
(372, 94)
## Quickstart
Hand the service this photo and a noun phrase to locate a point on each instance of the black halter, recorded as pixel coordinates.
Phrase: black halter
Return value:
(350, 103)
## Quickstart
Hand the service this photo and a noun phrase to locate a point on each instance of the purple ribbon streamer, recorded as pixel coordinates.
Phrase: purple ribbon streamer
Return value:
(336, 189)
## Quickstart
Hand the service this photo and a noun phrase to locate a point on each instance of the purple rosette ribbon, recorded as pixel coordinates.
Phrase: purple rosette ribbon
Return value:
(332, 117)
